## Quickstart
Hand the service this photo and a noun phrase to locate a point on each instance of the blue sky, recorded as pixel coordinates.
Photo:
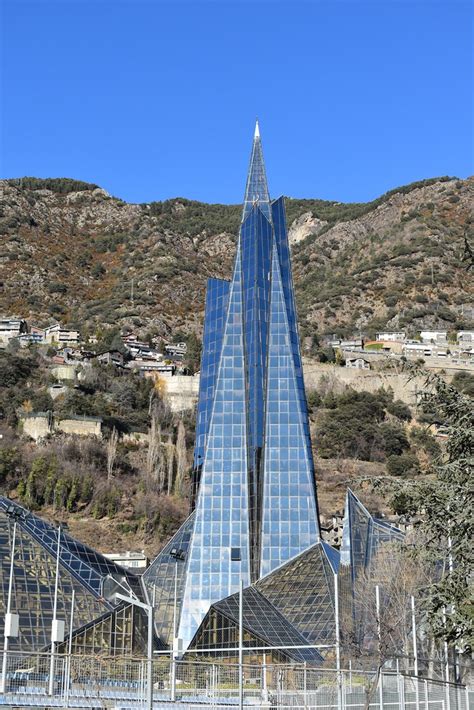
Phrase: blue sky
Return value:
(153, 99)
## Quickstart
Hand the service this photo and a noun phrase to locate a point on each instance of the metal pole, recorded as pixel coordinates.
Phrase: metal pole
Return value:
(413, 631)
(69, 648)
(241, 640)
(415, 652)
(446, 667)
(149, 689)
(175, 619)
(264, 678)
(305, 686)
(338, 642)
(55, 609)
(9, 606)
(401, 690)
(379, 633)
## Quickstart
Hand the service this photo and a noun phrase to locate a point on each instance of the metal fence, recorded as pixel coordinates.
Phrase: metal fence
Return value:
(123, 684)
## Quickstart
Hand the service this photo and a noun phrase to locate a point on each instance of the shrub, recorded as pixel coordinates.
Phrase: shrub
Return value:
(464, 382)
(403, 464)
(98, 270)
(399, 409)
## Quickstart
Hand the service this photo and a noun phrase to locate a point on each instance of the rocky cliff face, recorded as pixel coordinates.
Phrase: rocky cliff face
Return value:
(84, 257)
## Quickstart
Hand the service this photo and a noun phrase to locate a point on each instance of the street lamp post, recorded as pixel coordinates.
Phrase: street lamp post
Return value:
(179, 556)
(149, 610)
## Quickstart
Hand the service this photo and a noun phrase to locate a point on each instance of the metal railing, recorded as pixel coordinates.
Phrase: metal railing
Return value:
(79, 681)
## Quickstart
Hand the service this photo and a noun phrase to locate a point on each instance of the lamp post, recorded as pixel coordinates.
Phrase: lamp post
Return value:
(57, 630)
(179, 556)
(149, 610)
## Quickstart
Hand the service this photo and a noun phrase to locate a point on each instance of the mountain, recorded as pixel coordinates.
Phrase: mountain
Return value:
(73, 253)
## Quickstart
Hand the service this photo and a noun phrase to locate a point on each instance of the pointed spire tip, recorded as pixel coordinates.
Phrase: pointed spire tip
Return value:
(257, 130)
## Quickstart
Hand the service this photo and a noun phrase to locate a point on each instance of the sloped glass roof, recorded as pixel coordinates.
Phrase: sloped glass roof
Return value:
(92, 569)
(262, 619)
(303, 591)
(166, 570)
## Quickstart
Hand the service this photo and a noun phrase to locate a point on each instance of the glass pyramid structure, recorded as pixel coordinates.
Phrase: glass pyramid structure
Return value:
(99, 620)
(363, 537)
(255, 505)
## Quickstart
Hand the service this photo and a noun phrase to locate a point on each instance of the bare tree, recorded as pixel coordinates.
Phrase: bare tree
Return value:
(155, 467)
(111, 452)
(170, 458)
(181, 459)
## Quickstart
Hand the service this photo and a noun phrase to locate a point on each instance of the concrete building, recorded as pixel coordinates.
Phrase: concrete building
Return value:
(392, 336)
(465, 337)
(11, 328)
(434, 336)
(56, 334)
(136, 561)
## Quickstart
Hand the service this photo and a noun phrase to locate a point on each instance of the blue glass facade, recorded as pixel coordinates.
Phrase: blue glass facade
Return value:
(217, 299)
(219, 551)
(289, 514)
(255, 507)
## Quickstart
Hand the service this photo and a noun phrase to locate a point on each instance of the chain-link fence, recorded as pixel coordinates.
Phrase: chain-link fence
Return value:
(119, 683)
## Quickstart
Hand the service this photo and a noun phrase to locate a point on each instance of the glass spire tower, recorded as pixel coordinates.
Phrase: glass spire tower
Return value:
(255, 500)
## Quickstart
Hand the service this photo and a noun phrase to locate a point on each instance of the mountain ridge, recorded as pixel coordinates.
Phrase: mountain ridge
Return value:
(71, 252)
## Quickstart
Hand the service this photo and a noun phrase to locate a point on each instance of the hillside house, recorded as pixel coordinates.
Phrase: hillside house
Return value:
(358, 363)
(391, 336)
(465, 337)
(12, 327)
(419, 350)
(176, 350)
(152, 367)
(111, 357)
(434, 336)
(55, 334)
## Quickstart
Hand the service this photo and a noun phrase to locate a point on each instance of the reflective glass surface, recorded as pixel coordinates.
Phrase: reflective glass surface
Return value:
(289, 516)
(256, 504)
(255, 253)
(263, 623)
(166, 575)
(256, 191)
(283, 248)
(221, 515)
(362, 537)
(122, 632)
(217, 298)
(92, 569)
(34, 574)
(303, 591)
